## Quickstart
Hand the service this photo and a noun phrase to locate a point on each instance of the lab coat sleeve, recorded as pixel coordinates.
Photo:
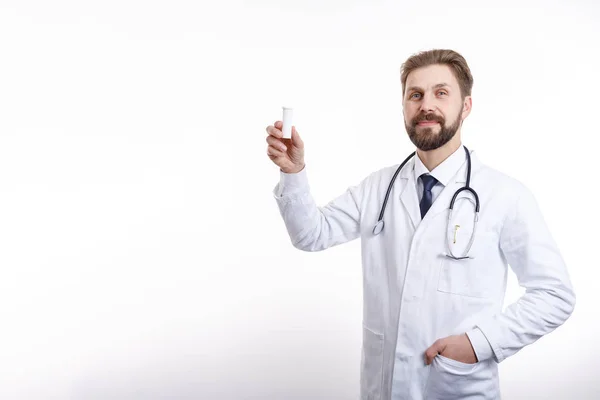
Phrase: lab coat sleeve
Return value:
(482, 348)
(549, 298)
(314, 228)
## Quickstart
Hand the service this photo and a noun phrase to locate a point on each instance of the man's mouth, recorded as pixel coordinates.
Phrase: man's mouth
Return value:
(427, 123)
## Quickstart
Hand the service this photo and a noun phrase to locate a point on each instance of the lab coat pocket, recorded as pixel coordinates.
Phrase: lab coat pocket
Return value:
(471, 276)
(371, 371)
(453, 380)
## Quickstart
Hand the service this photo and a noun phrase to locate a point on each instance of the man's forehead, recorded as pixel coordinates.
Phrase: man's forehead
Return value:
(431, 76)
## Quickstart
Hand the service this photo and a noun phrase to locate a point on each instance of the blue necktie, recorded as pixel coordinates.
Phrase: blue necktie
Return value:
(428, 184)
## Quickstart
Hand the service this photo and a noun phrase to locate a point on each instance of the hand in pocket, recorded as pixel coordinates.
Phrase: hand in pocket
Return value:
(455, 347)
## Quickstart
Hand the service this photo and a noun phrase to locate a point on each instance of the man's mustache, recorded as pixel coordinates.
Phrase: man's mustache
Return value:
(428, 117)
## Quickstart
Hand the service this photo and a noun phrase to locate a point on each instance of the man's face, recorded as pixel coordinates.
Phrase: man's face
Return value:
(433, 107)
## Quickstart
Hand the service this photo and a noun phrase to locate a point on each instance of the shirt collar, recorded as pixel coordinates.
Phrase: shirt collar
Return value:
(446, 170)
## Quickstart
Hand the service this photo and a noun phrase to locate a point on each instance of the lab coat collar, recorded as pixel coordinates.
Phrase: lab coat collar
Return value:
(446, 170)
(409, 196)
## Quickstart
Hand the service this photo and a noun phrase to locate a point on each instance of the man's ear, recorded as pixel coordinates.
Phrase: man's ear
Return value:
(467, 105)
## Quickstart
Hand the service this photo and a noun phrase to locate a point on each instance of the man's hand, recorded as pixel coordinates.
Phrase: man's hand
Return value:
(456, 347)
(287, 154)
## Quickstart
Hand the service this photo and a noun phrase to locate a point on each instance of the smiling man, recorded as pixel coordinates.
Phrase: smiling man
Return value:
(434, 279)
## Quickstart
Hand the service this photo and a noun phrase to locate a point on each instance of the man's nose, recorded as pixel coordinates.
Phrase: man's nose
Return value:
(427, 103)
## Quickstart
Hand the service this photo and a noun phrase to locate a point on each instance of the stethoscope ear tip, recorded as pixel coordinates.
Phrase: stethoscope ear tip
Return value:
(378, 228)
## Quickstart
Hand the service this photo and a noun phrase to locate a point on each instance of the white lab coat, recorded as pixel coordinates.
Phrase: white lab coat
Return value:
(414, 295)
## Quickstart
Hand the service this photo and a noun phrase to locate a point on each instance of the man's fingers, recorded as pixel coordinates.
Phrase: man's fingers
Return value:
(276, 143)
(435, 349)
(273, 131)
(430, 355)
(273, 153)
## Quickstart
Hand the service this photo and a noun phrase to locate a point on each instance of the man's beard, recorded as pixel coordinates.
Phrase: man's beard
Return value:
(426, 140)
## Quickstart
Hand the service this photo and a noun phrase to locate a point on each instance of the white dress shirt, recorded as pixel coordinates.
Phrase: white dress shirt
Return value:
(443, 172)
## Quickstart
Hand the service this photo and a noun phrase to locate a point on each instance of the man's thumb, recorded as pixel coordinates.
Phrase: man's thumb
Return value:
(296, 140)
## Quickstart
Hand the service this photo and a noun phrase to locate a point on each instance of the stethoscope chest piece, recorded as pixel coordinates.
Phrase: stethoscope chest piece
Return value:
(378, 227)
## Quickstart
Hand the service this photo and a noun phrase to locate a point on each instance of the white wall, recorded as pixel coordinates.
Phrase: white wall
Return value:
(142, 255)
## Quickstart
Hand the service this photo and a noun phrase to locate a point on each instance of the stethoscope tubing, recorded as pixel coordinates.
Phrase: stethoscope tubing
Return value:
(380, 223)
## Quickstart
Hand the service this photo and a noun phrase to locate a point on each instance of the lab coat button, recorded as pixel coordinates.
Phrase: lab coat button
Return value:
(411, 298)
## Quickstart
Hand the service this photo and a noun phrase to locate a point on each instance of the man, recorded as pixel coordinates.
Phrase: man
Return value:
(433, 324)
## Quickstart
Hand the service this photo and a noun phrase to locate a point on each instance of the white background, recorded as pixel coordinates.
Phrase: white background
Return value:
(142, 255)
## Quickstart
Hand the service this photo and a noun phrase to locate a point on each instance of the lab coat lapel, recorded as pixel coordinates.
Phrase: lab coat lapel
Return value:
(409, 196)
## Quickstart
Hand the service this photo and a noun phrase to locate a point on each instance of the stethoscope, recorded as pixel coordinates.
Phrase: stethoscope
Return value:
(380, 224)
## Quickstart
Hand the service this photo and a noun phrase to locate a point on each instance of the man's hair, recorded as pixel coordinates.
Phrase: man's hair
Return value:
(455, 61)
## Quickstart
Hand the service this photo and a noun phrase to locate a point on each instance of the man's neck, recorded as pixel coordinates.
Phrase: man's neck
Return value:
(433, 158)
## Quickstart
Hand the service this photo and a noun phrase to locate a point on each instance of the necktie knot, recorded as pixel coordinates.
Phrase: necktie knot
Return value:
(428, 182)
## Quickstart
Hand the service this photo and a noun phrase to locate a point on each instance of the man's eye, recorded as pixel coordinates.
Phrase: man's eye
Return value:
(442, 92)
(414, 94)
